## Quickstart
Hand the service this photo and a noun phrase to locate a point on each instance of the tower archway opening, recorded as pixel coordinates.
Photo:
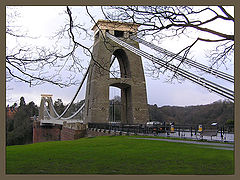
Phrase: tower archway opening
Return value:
(115, 106)
(120, 103)
(119, 65)
(115, 71)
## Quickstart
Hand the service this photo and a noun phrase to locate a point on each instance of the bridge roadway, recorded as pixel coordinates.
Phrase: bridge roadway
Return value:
(210, 145)
(58, 121)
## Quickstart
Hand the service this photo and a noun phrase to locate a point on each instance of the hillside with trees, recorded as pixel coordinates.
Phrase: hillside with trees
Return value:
(221, 112)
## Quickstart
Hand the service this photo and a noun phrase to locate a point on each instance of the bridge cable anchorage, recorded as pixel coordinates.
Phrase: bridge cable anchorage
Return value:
(190, 62)
(227, 93)
(66, 109)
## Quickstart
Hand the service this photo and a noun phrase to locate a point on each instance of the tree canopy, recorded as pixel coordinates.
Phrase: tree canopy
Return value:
(19, 127)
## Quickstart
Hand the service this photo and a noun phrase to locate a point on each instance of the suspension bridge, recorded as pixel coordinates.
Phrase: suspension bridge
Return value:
(118, 40)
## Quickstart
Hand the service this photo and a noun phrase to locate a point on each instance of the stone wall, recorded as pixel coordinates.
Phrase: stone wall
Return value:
(93, 133)
(72, 133)
(46, 133)
(100, 132)
(67, 131)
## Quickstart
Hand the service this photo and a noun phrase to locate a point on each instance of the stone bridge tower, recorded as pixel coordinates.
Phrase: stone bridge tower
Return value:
(45, 98)
(134, 108)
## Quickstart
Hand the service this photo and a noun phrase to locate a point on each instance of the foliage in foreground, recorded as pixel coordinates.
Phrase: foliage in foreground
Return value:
(116, 155)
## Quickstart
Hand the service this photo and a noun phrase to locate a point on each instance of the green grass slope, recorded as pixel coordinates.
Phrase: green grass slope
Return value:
(117, 155)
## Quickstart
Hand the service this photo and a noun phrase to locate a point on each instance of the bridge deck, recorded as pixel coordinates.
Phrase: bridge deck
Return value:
(59, 121)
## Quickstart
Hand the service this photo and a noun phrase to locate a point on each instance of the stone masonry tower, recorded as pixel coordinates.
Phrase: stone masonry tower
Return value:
(134, 108)
(45, 98)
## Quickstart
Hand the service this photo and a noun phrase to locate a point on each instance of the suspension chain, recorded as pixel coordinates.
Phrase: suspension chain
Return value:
(195, 64)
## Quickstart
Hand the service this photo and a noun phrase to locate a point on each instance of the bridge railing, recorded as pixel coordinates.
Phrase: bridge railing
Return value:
(156, 129)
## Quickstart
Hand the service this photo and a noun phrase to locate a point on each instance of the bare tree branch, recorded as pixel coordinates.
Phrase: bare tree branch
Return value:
(31, 64)
(226, 13)
(160, 22)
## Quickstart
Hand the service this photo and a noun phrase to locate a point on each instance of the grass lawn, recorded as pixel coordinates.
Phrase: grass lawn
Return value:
(117, 155)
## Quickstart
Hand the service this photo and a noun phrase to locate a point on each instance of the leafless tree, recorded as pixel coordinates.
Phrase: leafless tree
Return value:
(37, 65)
(161, 22)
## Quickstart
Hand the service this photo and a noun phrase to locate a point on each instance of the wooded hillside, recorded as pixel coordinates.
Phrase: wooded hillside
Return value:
(219, 111)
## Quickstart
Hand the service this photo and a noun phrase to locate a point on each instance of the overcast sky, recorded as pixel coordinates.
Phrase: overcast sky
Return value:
(42, 22)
